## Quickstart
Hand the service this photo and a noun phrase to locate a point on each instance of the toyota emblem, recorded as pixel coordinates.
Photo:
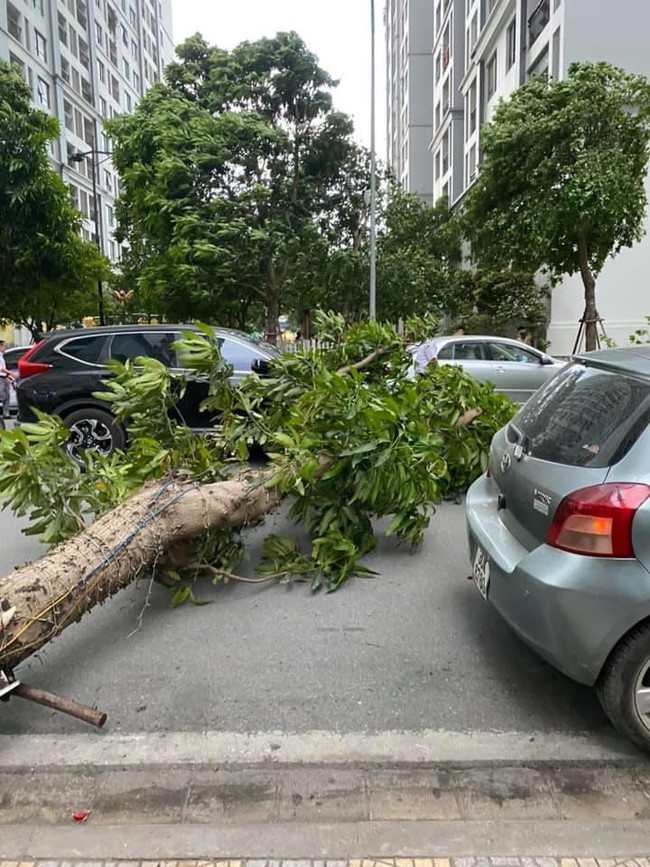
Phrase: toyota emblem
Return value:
(506, 460)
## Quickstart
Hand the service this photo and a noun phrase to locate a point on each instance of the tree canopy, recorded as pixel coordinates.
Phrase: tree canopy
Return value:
(561, 186)
(46, 270)
(227, 171)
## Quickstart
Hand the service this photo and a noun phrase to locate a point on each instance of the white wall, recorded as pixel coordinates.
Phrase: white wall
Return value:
(622, 296)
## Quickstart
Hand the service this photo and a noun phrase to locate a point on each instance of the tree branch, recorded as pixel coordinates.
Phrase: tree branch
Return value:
(359, 365)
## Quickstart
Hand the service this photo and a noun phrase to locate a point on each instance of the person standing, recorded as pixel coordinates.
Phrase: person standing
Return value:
(425, 356)
(5, 382)
(524, 336)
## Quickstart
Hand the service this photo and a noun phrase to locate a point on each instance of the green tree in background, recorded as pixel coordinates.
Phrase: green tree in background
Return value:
(561, 186)
(418, 254)
(47, 272)
(226, 171)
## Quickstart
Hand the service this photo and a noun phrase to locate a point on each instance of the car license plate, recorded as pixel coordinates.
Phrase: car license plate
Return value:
(481, 572)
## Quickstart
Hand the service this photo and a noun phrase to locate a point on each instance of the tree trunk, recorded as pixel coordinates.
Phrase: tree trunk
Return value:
(272, 318)
(39, 601)
(590, 315)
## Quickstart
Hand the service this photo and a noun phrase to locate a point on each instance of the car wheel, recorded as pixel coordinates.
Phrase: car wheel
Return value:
(93, 430)
(624, 686)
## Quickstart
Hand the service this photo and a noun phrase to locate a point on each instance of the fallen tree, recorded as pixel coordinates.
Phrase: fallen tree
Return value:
(349, 434)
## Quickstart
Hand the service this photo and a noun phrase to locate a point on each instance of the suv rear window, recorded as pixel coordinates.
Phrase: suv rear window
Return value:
(584, 417)
(88, 349)
(152, 344)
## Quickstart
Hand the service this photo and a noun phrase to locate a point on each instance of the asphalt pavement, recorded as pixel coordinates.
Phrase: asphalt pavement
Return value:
(415, 648)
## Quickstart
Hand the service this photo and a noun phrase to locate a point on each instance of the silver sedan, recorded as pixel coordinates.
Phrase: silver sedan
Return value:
(515, 369)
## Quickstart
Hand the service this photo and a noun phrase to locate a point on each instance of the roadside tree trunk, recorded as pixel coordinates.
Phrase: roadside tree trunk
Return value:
(38, 601)
(590, 315)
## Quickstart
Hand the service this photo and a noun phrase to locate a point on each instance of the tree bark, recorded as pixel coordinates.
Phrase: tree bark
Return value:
(590, 315)
(91, 567)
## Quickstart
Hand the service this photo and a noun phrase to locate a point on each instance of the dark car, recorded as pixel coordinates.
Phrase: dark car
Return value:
(60, 374)
(12, 357)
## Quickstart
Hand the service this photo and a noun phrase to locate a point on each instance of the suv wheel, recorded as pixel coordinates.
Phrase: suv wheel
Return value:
(93, 430)
(624, 686)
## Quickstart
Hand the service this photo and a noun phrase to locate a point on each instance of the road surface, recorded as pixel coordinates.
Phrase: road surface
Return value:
(415, 648)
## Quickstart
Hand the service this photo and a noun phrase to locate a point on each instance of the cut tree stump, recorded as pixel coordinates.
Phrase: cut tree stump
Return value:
(47, 596)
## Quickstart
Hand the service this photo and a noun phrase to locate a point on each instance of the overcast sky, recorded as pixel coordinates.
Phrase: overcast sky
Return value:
(337, 31)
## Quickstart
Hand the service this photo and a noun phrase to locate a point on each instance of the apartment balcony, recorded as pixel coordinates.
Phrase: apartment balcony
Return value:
(538, 21)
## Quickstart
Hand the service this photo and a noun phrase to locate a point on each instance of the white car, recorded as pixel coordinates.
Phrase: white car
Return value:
(515, 369)
(12, 357)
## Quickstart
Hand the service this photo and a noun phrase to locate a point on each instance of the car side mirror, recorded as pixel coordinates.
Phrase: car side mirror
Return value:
(547, 360)
(261, 367)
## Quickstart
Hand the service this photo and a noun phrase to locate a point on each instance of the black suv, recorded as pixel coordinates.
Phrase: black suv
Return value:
(59, 375)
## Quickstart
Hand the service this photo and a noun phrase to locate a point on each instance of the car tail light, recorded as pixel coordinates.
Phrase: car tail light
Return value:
(31, 368)
(598, 520)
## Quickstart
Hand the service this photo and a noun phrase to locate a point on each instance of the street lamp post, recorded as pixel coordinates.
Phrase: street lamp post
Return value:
(372, 306)
(99, 237)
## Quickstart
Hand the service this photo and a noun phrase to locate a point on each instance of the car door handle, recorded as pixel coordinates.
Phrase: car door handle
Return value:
(500, 369)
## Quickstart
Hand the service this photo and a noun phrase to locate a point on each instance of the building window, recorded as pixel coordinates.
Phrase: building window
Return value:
(472, 107)
(133, 17)
(115, 88)
(538, 21)
(74, 195)
(89, 131)
(43, 93)
(136, 81)
(99, 33)
(103, 108)
(63, 30)
(127, 69)
(86, 90)
(540, 67)
(38, 5)
(84, 57)
(437, 164)
(18, 65)
(134, 49)
(472, 164)
(101, 69)
(125, 37)
(511, 44)
(68, 115)
(110, 217)
(491, 76)
(41, 46)
(14, 22)
(129, 102)
(82, 14)
(473, 32)
(556, 55)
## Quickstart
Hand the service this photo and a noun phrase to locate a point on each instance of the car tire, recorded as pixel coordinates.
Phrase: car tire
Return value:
(625, 673)
(94, 429)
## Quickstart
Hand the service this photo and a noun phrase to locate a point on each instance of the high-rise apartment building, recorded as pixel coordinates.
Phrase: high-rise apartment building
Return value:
(409, 87)
(482, 51)
(86, 61)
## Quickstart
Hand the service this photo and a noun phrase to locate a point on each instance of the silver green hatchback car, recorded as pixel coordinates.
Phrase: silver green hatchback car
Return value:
(559, 529)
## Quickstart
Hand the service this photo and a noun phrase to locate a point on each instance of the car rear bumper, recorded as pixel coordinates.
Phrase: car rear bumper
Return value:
(571, 609)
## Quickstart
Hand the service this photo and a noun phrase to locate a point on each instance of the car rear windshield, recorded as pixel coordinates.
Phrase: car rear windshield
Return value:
(584, 417)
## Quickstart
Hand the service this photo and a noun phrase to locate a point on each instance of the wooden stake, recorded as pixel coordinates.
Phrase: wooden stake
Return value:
(65, 705)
